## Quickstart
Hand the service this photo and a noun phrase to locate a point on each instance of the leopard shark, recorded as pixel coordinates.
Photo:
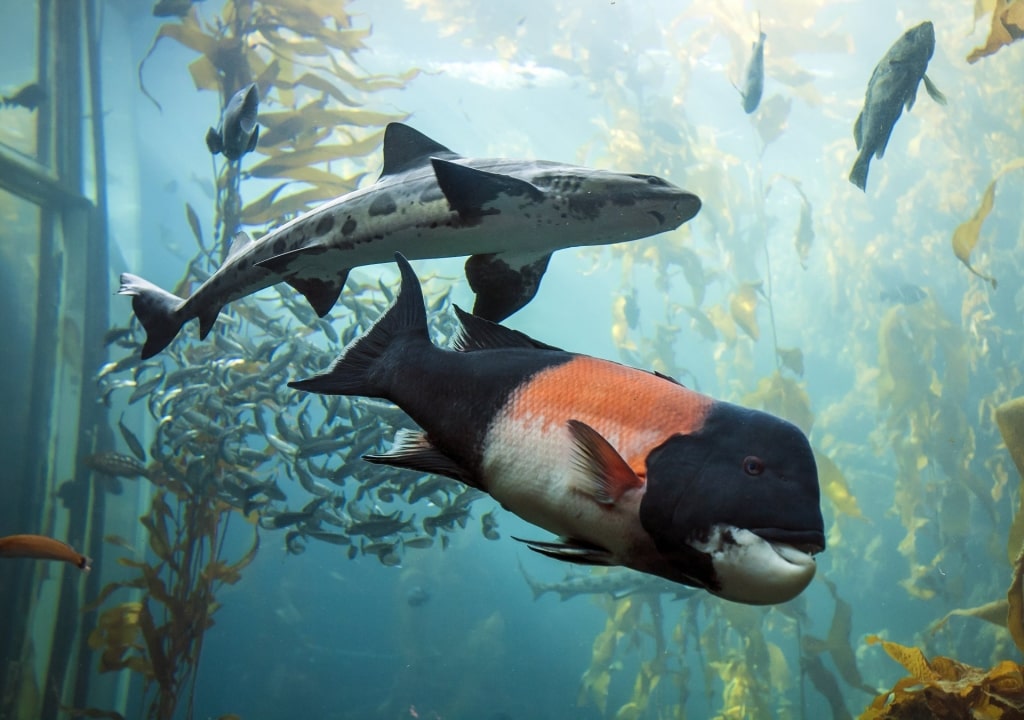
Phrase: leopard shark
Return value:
(429, 202)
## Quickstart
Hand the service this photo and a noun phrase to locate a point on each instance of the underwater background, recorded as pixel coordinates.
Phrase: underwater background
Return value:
(886, 324)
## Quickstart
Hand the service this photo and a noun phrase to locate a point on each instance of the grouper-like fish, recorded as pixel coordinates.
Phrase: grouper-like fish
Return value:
(238, 132)
(429, 202)
(626, 467)
(892, 86)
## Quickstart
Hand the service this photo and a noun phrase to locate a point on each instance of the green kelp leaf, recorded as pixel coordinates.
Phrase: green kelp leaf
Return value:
(1007, 27)
(91, 713)
(1015, 603)
(193, 223)
(204, 74)
(966, 236)
(804, 230)
(288, 205)
(188, 33)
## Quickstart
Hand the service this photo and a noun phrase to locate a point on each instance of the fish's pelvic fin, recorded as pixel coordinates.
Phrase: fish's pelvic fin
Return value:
(351, 373)
(477, 333)
(604, 474)
(321, 293)
(933, 91)
(413, 450)
(468, 190)
(569, 550)
(504, 282)
(406, 148)
(213, 141)
(156, 309)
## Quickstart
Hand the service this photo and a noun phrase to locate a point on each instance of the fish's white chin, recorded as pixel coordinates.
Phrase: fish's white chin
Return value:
(751, 570)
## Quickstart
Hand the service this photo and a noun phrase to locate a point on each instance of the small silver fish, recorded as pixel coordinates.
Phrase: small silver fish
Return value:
(753, 79)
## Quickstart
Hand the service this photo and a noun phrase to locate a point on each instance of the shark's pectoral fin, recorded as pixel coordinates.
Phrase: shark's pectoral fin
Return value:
(322, 292)
(504, 282)
(213, 141)
(294, 261)
(414, 451)
(469, 191)
(570, 550)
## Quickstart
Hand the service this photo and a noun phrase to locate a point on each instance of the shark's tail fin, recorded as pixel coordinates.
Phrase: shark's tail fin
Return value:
(535, 587)
(156, 309)
(358, 370)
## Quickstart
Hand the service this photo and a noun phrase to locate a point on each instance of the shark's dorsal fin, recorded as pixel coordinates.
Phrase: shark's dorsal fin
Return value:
(476, 333)
(405, 148)
(238, 244)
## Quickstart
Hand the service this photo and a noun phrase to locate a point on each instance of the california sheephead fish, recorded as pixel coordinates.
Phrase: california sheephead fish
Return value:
(753, 79)
(238, 132)
(626, 467)
(892, 86)
(41, 547)
(429, 202)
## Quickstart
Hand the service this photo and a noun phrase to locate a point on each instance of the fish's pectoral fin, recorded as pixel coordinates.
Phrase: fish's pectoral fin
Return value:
(207, 318)
(321, 293)
(406, 148)
(285, 263)
(570, 550)
(933, 91)
(604, 475)
(858, 128)
(469, 190)
(477, 333)
(254, 139)
(213, 141)
(504, 282)
(413, 450)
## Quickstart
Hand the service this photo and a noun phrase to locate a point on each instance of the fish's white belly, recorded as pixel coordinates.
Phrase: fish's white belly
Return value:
(529, 467)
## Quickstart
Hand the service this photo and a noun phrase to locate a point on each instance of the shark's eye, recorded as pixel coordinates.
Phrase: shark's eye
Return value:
(753, 465)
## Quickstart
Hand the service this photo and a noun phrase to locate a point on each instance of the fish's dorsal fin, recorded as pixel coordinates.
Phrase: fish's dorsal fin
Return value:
(414, 451)
(477, 333)
(604, 475)
(238, 244)
(504, 282)
(406, 148)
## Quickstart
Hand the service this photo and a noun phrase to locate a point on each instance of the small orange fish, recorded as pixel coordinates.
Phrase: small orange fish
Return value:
(42, 548)
(627, 467)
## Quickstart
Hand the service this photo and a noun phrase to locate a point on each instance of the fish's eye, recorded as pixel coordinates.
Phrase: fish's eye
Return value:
(753, 465)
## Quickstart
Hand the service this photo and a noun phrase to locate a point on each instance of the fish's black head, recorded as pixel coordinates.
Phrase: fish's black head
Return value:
(735, 507)
(743, 469)
(919, 41)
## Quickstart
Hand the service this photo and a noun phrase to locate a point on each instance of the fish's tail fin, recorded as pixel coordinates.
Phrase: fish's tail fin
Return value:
(535, 587)
(156, 309)
(359, 369)
(859, 172)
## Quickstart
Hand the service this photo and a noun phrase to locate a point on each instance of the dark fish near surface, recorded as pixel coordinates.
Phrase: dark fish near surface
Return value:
(892, 86)
(429, 202)
(627, 467)
(238, 132)
(753, 79)
(29, 97)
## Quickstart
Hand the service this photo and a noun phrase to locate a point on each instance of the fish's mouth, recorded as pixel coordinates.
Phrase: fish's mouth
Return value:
(807, 542)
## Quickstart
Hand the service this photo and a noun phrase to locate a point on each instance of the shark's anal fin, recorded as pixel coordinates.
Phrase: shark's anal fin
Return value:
(414, 451)
(504, 282)
(469, 191)
(405, 148)
(570, 550)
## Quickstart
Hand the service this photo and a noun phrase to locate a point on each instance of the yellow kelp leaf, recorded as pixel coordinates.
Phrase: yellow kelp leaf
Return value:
(723, 323)
(825, 683)
(743, 307)
(1015, 601)
(785, 397)
(965, 237)
(629, 711)
(994, 612)
(835, 487)
(1007, 26)
(273, 167)
(909, 657)
(1010, 419)
(778, 668)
